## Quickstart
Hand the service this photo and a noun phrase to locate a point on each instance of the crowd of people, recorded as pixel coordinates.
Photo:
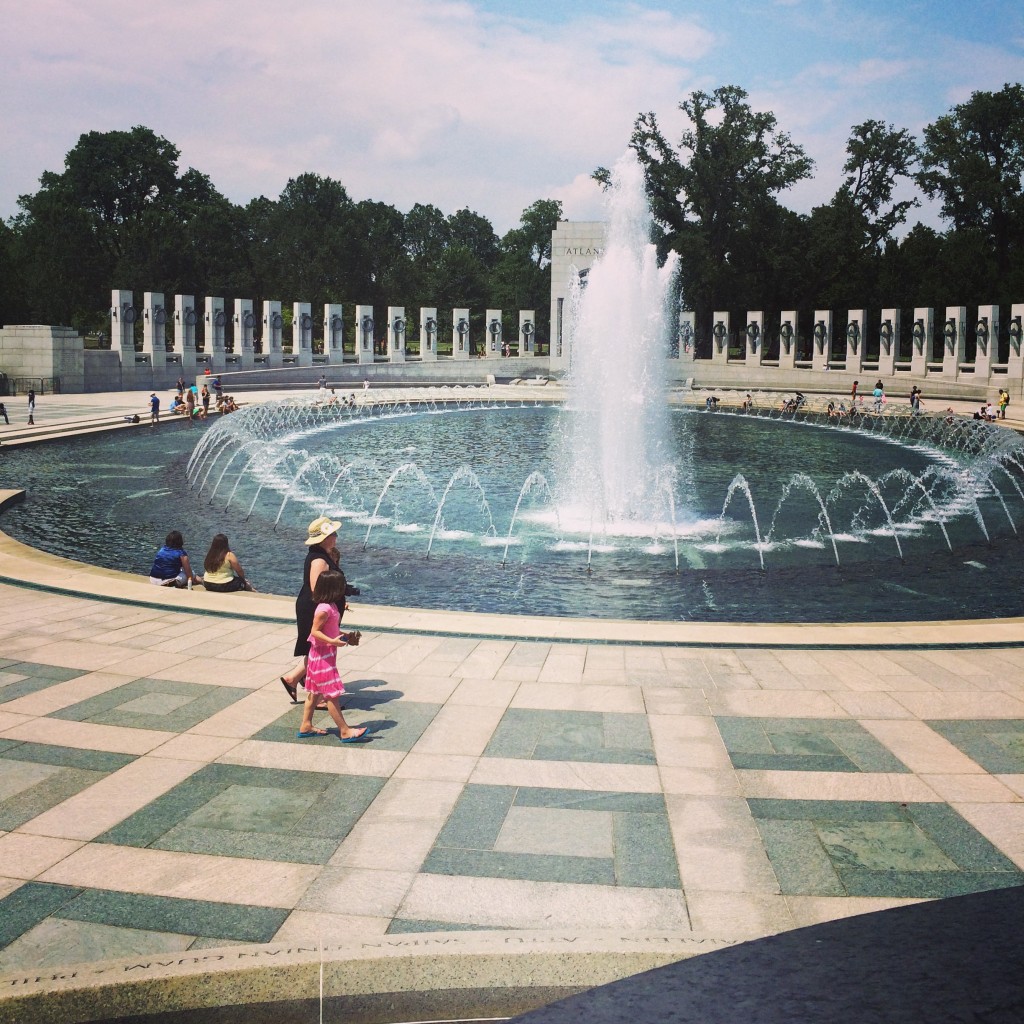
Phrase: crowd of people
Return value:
(193, 402)
(319, 608)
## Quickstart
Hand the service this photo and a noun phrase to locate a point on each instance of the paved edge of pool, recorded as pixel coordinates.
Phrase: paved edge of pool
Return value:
(24, 566)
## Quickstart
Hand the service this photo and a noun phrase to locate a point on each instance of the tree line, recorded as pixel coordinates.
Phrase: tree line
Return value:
(121, 214)
(714, 194)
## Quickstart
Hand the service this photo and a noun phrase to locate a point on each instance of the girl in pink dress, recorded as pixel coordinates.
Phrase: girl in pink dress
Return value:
(322, 679)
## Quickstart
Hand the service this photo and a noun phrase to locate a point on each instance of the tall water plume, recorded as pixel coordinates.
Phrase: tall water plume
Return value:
(614, 445)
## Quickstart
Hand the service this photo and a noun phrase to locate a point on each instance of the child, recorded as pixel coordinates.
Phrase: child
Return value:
(322, 677)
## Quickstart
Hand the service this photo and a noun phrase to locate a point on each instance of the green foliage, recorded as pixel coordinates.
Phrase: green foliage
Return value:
(121, 215)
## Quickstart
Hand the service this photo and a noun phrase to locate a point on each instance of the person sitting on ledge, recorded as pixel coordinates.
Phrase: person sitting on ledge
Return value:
(171, 566)
(223, 573)
(711, 403)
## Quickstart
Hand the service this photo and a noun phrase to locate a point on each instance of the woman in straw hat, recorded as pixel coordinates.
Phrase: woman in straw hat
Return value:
(322, 554)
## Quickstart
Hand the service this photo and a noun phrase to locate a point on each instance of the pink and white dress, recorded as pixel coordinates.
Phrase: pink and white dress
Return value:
(322, 669)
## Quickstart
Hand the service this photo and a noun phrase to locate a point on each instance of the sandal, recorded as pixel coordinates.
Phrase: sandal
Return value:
(291, 690)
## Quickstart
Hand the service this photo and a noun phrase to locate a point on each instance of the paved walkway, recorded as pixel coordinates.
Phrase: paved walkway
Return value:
(154, 796)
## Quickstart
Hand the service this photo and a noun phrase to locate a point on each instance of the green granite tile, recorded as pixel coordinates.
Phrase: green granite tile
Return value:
(28, 905)
(552, 831)
(401, 729)
(591, 736)
(958, 839)
(23, 687)
(252, 809)
(253, 813)
(489, 834)
(225, 921)
(20, 776)
(896, 846)
(744, 735)
(825, 810)
(644, 853)
(339, 806)
(522, 866)
(794, 762)
(868, 754)
(883, 849)
(153, 704)
(147, 825)
(652, 803)
(805, 744)
(477, 817)
(996, 744)
(57, 787)
(247, 845)
(925, 884)
(53, 673)
(791, 742)
(404, 926)
(68, 757)
(798, 859)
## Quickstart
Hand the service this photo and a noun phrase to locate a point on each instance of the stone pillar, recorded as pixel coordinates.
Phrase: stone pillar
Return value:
(575, 245)
(428, 334)
(273, 325)
(364, 334)
(493, 339)
(821, 349)
(787, 339)
(122, 334)
(1015, 360)
(302, 333)
(954, 333)
(460, 334)
(888, 341)
(720, 338)
(245, 328)
(185, 319)
(854, 336)
(216, 321)
(922, 334)
(527, 331)
(754, 338)
(687, 342)
(986, 333)
(396, 334)
(154, 338)
(334, 332)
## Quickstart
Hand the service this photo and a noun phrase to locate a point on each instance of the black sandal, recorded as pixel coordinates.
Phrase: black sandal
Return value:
(291, 690)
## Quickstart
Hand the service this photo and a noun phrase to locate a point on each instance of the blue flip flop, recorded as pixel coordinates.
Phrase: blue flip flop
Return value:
(355, 739)
(309, 735)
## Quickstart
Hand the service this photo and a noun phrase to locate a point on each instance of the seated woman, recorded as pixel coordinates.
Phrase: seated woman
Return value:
(171, 566)
(224, 573)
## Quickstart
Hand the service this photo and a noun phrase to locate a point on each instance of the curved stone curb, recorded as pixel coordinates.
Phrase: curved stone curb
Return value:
(412, 976)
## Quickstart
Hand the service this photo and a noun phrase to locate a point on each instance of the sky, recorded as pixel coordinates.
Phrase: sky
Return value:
(488, 105)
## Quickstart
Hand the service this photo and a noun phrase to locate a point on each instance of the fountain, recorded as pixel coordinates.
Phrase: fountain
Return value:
(620, 502)
(615, 442)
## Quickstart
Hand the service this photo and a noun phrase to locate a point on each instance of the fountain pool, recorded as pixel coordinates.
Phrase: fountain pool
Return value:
(449, 503)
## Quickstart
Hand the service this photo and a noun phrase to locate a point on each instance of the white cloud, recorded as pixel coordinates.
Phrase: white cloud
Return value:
(455, 103)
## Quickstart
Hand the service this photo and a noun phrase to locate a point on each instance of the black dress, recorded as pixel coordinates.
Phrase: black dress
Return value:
(305, 607)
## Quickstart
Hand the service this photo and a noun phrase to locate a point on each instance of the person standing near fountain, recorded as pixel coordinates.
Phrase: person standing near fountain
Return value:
(322, 542)
(322, 678)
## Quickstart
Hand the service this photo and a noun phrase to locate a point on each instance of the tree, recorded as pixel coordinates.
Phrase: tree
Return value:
(705, 191)
(972, 161)
(522, 275)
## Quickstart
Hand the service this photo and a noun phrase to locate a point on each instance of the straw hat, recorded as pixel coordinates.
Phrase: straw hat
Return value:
(320, 529)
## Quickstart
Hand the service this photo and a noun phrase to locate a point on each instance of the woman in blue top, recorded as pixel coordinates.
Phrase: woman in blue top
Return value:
(171, 566)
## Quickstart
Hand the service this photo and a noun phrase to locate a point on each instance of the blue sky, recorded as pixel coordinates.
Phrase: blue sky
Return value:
(485, 104)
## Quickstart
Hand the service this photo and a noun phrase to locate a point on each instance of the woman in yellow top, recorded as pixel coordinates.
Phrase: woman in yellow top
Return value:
(223, 571)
